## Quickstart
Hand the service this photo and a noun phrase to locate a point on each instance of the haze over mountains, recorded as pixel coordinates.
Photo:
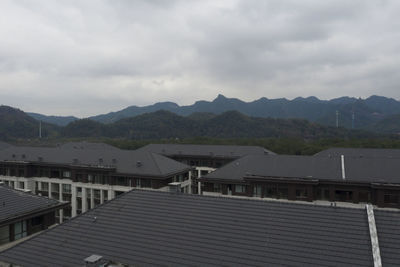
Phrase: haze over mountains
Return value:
(375, 113)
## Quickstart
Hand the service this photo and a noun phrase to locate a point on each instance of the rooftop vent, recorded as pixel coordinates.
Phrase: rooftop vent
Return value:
(13, 156)
(93, 259)
(114, 161)
(139, 163)
(23, 156)
(75, 161)
(174, 187)
(40, 158)
(100, 160)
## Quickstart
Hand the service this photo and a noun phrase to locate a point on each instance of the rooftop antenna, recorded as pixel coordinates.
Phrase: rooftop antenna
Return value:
(40, 129)
(337, 118)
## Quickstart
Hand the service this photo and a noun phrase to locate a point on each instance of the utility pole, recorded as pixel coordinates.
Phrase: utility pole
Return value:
(337, 119)
(40, 129)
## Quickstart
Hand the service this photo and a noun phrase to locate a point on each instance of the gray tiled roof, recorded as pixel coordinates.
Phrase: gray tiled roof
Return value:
(222, 151)
(4, 145)
(381, 170)
(360, 152)
(89, 145)
(388, 227)
(125, 161)
(14, 203)
(149, 228)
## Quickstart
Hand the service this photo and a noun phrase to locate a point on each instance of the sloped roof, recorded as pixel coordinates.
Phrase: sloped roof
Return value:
(4, 145)
(150, 228)
(125, 161)
(222, 151)
(360, 152)
(388, 227)
(380, 170)
(14, 203)
(88, 145)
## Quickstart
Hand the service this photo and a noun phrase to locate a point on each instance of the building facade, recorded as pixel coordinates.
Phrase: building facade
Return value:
(87, 175)
(309, 178)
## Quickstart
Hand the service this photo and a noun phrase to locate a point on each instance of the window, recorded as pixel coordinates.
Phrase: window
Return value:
(323, 194)
(21, 172)
(138, 183)
(4, 234)
(282, 191)
(45, 186)
(79, 192)
(67, 174)
(37, 221)
(364, 196)
(66, 188)
(391, 199)
(257, 191)
(122, 181)
(19, 230)
(271, 191)
(344, 195)
(146, 183)
(240, 188)
(21, 185)
(98, 179)
(96, 193)
(301, 193)
(217, 187)
(55, 188)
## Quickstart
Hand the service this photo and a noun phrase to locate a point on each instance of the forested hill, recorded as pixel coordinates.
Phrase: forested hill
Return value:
(366, 112)
(15, 123)
(231, 124)
(164, 124)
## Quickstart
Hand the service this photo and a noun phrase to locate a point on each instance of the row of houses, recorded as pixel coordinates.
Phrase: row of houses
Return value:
(88, 174)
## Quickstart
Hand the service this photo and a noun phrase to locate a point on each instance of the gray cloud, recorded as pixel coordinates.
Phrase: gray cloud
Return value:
(88, 57)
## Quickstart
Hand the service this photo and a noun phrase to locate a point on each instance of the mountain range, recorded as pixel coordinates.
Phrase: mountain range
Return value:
(366, 112)
(162, 124)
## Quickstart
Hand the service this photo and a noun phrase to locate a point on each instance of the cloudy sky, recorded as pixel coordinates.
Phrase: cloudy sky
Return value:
(89, 57)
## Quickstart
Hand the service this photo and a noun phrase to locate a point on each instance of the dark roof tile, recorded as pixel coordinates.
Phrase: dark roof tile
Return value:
(15, 203)
(157, 228)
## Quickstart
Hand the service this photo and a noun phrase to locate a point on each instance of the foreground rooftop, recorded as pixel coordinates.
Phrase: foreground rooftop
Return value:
(149, 228)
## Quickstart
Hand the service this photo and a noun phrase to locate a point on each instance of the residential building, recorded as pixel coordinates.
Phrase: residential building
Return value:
(360, 153)
(346, 179)
(153, 228)
(23, 214)
(204, 158)
(87, 174)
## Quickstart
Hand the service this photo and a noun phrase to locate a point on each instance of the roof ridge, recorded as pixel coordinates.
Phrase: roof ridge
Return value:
(155, 161)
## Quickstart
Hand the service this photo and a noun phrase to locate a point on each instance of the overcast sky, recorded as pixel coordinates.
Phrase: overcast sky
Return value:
(87, 57)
